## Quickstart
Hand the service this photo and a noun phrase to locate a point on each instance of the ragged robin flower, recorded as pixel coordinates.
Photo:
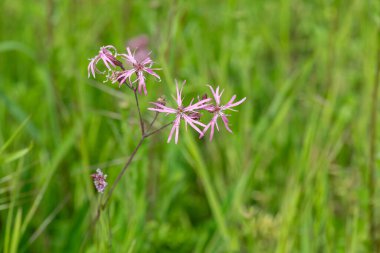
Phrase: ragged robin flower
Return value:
(139, 68)
(189, 114)
(108, 58)
(218, 111)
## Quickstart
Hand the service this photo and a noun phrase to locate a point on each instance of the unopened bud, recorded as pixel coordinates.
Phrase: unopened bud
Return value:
(161, 100)
(99, 179)
(195, 115)
(117, 62)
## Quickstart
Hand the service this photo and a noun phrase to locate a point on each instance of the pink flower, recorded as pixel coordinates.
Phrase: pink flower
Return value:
(189, 114)
(99, 180)
(219, 111)
(139, 67)
(108, 59)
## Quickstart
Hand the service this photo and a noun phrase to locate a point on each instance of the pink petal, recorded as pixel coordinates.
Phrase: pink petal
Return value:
(175, 128)
(212, 131)
(158, 110)
(192, 123)
(105, 61)
(130, 57)
(212, 123)
(126, 74)
(176, 134)
(151, 72)
(215, 94)
(163, 108)
(231, 100)
(179, 93)
(225, 121)
(142, 85)
(217, 126)
(92, 65)
(205, 130)
(171, 132)
(91, 68)
(146, 61)
(228, 105)
(220, 95)
(199, 105)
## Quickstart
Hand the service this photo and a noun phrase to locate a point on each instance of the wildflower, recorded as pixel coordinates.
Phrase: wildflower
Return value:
(99, 180)
(219, 111)
(108, 59)
(189, 114)
(139, 67)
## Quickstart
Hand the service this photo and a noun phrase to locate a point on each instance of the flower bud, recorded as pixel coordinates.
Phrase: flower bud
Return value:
(161, 100)
(99, 179)
(195, 115)
(117, 62)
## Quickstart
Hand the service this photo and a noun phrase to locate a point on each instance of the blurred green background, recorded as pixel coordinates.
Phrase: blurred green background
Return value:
(293, 177)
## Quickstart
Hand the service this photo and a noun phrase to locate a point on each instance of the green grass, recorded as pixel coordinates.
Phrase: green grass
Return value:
(293, 177)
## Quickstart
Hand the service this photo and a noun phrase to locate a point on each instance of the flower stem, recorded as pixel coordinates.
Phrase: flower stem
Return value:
(122, 173)
(129, 162)
(102, 206)
(140, 117)
(154, 120)
(157, 130)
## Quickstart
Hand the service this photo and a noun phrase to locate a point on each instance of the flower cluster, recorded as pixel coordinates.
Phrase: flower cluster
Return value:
(138, 68)
(190, 114)
(99, 180)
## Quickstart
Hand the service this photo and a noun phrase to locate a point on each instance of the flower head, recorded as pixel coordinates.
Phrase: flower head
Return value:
(140, 67)
(189, 113)
(218, 110)
(99, 180)
(108, 58)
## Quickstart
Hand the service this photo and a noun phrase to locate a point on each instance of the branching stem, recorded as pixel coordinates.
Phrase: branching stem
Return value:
(102, 205)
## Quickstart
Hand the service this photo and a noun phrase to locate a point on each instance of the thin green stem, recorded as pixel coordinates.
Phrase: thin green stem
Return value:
(154, 120)
(157, 130)
(122, 173)
(140, 117)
